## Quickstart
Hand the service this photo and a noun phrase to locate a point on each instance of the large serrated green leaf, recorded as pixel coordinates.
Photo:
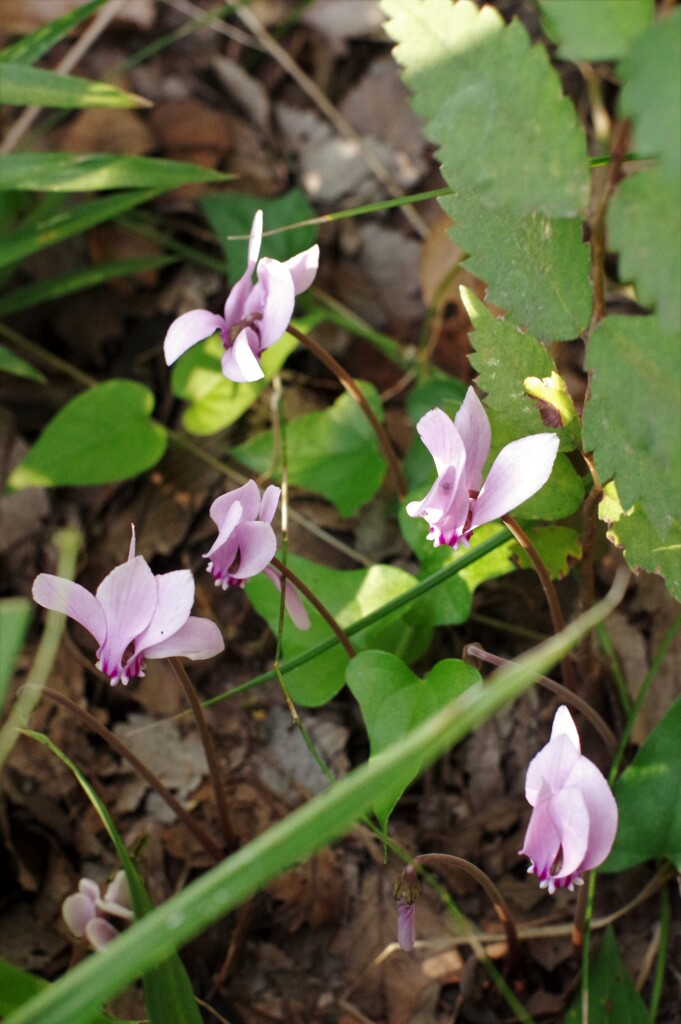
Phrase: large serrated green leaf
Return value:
(504, 357)
(644, 226)
(651, 87)
(632, 421)
(349, 595)
(585, 30)
(535, 267)
(648, 795)
(493, 104)
(394, 701)
(333, 453)
(27, 86)
(101, 436)
(95, 172)
(612, 996)
(644, 547)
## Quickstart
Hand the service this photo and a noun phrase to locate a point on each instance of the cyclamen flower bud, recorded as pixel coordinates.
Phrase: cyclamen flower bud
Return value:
(406, 891)
(574, 821)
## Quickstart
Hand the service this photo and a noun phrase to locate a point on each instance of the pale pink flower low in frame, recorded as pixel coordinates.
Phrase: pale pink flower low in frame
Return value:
(574, 818)
(256, 314)
(459, 501)
(246, 543)
(86, 912)
(134, 615)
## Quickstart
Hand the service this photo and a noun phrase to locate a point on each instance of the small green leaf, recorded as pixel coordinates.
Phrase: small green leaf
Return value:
(534, 267)
(558, 547)
(32, 47)
(612, 996)
(504, 357)
(15, 618)
(631, 421)
(103, 435)
(493, 104)
(648, 795)
(651, 86)
(585, 30)
(94, 172)
(349, 595)
(333, 453)
(214, 401)
(644, 226)
(18, 986)
(18, 367)
(394, 701)
(27, 86)
(232, 214)
(36, 235)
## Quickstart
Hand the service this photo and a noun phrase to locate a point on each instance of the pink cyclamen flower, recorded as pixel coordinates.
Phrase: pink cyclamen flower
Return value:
(255, 314)
(458, 501)
(86, 912)
(134, 615)
(246, 543)
(574, 821)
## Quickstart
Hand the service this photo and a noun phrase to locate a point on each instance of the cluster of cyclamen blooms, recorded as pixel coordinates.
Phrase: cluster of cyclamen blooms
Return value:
(86, 913)
(572, 826)
(137, 614)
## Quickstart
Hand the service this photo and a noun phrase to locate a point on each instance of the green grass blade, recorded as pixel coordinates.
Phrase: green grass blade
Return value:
(25, 86)
(322, 820)
(94, 172)
(56, 227)
(32, 47)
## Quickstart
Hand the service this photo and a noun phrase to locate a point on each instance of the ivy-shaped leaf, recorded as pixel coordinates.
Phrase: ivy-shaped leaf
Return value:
(101, 436)
(648, 795)
(612, 996)
(393, 701)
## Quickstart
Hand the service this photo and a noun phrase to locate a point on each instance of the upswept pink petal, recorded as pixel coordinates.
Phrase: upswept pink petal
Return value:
(473, 427)
(551, 766)
(239, 363)
(519, 471)
(235, 304)
(128, 598)
(77, 910)
(99, 933)
(303, 268)
(571, 819)
(234, 516)
(118, 891)
(268, 505)
(442, 440)
(406, 928)
(292, 599)
(89, 889)
(187, 330)
(173, 605)
(197, 639)
(60, 595)
(438, 499)
(248, 496)
(563, 725)
(257, 547)
(602, 810)
(274, 297)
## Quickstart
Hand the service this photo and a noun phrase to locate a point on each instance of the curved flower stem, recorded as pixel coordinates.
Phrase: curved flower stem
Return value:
(547, 585)
(601, 727)
(323, 611)
(230, 839)
(354, 392)
(124, 751)
(503, 911)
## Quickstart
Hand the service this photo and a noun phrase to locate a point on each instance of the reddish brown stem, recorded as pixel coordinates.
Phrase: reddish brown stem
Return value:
(555, 610)
(230, 839)
(116, 744)
(323, 611)
(352, 389)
